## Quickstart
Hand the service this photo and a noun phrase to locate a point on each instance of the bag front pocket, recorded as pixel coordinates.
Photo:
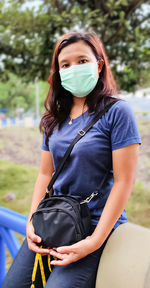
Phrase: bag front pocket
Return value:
(56, 227)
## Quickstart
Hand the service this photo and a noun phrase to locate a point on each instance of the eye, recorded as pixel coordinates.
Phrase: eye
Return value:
(64, 66)
(84, 61)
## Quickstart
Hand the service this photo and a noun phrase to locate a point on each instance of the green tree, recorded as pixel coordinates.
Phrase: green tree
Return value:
(15, 93)
(28, 35)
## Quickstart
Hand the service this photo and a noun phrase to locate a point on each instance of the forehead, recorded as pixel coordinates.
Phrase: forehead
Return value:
(75, 50)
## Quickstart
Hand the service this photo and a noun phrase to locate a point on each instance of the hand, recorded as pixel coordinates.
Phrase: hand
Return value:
(72, 253)
(33, 239)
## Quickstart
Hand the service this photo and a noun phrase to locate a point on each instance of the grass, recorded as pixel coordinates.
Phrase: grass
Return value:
(138, 206)
(144, 126)
(19, 179)
(1, 145)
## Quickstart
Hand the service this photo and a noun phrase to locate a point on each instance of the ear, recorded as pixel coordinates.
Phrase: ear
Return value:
(100, 65)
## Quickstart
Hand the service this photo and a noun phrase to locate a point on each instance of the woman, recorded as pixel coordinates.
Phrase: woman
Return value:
(81, 85)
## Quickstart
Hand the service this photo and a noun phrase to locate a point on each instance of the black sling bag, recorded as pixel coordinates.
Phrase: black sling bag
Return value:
(65, 219)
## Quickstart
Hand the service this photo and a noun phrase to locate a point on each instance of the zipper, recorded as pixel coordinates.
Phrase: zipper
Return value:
(67, 201)
(52, 197)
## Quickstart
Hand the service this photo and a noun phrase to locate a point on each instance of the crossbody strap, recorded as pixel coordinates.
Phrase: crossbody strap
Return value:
(80, 134)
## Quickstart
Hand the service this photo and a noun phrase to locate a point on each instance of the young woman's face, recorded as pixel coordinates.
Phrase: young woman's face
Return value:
(75, 54)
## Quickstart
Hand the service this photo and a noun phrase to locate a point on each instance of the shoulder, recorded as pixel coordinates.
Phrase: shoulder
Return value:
(122, 125)
(120, 106)
(119, 111)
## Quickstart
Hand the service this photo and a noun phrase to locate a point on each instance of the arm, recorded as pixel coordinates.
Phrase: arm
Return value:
(42, 181)
(124, 167)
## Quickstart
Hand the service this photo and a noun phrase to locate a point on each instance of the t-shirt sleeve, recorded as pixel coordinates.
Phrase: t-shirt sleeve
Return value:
(123, 125)
(44, 146)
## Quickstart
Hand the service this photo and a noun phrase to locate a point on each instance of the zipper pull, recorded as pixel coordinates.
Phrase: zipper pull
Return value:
(88, 199)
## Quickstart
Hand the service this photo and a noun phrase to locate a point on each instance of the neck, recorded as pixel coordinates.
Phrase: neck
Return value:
(79, 102)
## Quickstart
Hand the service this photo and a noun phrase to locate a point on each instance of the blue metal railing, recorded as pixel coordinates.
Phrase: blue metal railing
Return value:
(24, 121)
(10, 222)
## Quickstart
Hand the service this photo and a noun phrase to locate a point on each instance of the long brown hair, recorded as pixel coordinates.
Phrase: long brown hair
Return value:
(59, 101)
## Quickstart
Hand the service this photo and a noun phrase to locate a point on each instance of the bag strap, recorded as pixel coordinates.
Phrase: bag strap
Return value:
(80, 134)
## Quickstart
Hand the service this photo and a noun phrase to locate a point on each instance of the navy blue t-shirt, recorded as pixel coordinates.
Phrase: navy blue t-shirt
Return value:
(91, 157)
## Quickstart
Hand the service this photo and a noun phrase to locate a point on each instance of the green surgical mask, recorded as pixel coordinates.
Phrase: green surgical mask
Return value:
(80, 79)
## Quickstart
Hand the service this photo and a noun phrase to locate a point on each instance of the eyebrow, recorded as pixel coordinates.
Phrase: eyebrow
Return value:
(81, 56)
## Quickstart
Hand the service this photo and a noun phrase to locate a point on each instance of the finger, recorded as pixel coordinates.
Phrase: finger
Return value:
(61, 262)
(35, 248)
(34, 238)
(39, 250)
(65, 249)
(53, 249)
(58, 255)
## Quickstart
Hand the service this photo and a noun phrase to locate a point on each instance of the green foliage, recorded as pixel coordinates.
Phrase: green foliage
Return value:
(128, 77)
(16, 93)
(28, 35)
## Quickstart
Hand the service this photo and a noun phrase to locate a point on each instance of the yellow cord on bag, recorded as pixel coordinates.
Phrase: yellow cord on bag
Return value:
(38, 259)
(49, 264)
